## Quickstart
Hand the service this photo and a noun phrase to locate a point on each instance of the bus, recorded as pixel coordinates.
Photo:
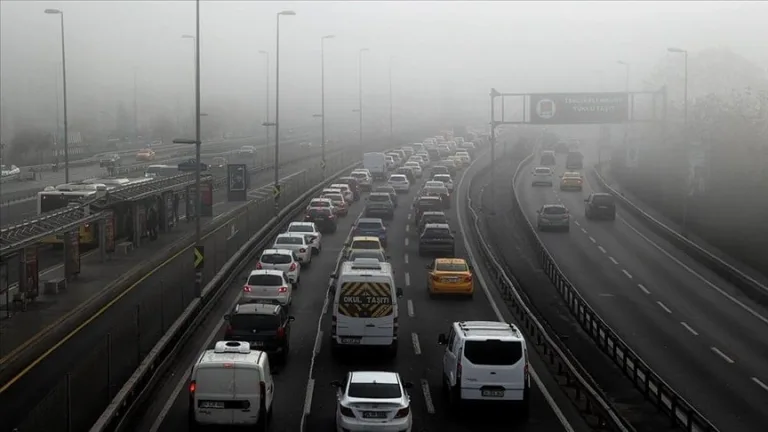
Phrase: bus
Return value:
(161, 171)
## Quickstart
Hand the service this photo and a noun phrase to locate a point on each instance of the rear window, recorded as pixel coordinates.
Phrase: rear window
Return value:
(319, 204)
(443, 178)
(434, 220)
(493, 352)
(366, 244)
(276, 259)
(375, 254)
(255, 322)
(301, 228)
(451, 267)
(265, 280)
(369, 225)
(374, 391)
(437, 233)
(317, 212)
(333, 197)
(603, 199)
(554, 210)
(379, 198)
(289, 240)
(397, 178)
(543, 171)
(358, 175)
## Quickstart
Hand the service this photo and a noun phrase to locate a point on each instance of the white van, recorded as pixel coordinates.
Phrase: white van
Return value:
(376, 164)
(364, 306)
(231, 385)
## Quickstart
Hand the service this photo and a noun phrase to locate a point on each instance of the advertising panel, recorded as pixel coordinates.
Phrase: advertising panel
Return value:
(237, 185)
(578, 108)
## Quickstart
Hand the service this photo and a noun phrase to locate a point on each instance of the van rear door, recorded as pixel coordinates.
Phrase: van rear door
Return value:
(215, 388)
(493, 369)
(365, 312)
(247, 394)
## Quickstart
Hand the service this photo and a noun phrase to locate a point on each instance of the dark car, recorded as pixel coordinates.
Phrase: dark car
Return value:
(442, 193)
(433, 153)
(425, 204)
(390, 190)
(109, 161)
(432, 217)
(323, 217)
(440, 169)
(547, 158)
(353, 185)
(379, 204)
(437, 238)
(371, 227)
(600, 206)
(190, 165)
(266, 326)
(561, 147)
(407, 172)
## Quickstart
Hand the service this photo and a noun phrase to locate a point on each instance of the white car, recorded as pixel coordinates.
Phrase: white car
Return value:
(311, 232)
(349, 197)
(399, 183)
(434, 184)
(446, 179)
(419, 159)
(267, 285)
(297, 243)
(363, 177)
(415, 167)
(541, 175)
(248, 149)
(284, 260)
(464, 157)
(373, 401)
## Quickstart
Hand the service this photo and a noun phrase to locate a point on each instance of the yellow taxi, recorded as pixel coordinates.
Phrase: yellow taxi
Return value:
(363, 243)
(450, 276)
(571, 180)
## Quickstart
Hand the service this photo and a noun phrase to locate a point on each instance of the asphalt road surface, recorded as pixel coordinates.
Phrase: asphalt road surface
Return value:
(303, 385)
(699, 332)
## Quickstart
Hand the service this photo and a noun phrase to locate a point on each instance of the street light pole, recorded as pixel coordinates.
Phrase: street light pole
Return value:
(322, 100)
(135, 109)
(266, 56)
(277, 110)
(194, 50)
(360, 92)
(64, 85)
(391, 144)
(626, 90)
(684, 227)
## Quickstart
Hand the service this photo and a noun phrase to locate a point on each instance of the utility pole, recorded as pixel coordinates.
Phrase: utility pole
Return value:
(391, 143)
(135, 109)
(266, 90)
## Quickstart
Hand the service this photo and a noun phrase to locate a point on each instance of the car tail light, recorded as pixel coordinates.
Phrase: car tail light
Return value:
(403, 412)
(228, 331)
(259, 266)
(292, 267)
(192, 386)
(246, 288)
(302, 250)
(468, 278)
(435, 278)
(282, 290)
(346, 412)
(281, 332)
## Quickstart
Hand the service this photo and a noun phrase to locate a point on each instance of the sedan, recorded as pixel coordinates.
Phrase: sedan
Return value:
(553, 216)
(373, 401)
(417, 171)
(311, 232)
(399, 182)
(297, 243)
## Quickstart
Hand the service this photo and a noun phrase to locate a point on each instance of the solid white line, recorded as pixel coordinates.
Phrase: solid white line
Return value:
(407, 279)
(406, 242)
(602, 249)
(760, 383)
(592, 239)
(411, 312)
(663, 306)
(405, 258)
(613, 260)
(700, 277)
(583, 230)
(416, 345)
(407, 227)
(626, 273)
(722, 355)
(687, 327)
(318, 342)
(427, 396)
(308, 396)
(642, 287)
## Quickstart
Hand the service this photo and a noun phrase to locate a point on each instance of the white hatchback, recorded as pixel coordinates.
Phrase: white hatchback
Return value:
(309, 229)
(267, 285)
(541, 175)
(399, 183)
(297, 243)
(415, 167)
(446, 179)
(283, 260)
(346, 192)
(373, 401)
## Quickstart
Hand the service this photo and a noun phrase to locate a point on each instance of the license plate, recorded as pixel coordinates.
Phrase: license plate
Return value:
(451, 279)
(212, 405)
(374, 414)
(350, 341)
(492, 393)
(257, 344)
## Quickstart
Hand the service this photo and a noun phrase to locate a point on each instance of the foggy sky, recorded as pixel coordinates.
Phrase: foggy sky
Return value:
(447, 53)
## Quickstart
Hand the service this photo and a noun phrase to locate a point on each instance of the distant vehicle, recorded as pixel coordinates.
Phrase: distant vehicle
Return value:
(146, 154)
(561, 147)
(219, 162)
(161, 171)
(571, 180)
(9, 170)
(72, 194)
(191, 165)
(548, 158)
(541, 176)
(437, 238)
(156, 143)
(111, 159)
(574, 160)
(306, 145)
(248, 149)
(553, 216)
(376, 163)
(600, 205)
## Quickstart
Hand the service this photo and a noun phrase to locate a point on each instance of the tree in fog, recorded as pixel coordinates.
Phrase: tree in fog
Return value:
(28, 146)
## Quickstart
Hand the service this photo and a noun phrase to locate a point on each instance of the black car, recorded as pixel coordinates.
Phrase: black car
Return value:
(600, 206)
(323, 217)
(432, 217)
(407, 172)
(353, 184)
(561, 147)
(266, 326)
(437, 238)
(425, 204)
(379, 204)
(390, 190)
(191, 165)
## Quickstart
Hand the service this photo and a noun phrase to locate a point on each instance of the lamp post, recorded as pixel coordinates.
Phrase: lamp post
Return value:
(266, 90)
(684, 227)
(626, 90)
(277, 110)
(322, 100)
(391, 143)
(194, 58)
(360, 92)
(60, 13)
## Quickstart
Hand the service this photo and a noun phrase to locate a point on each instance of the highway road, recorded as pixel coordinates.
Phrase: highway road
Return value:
(702, 335)
(302, 386)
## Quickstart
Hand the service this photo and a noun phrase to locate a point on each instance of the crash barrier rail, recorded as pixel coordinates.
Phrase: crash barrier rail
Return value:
(153, 297)
(592, 403)
(128, 402)
(751, 287)
(680, 412)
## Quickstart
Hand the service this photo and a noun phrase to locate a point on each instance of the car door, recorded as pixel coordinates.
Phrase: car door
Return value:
(288, 284)
(449, 357)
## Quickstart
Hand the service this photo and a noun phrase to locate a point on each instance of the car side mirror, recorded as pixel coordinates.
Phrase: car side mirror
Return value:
(428, 267)
(408, 385)
(336, 384)
(442, 339)
(471, 268)
(399, 292)
(226, 317)
(333, 276)
(291, 318)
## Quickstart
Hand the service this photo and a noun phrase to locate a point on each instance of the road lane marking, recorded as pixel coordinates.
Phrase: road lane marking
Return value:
(427, 396)
(642, 287)
(689, 328)
(416, 345)
(406, 242)
(602, 249)
(405, 258)
(583, 230)
(613, 260)
(318, 342)
(663, 306)
(626, 273)
(577, 223)
(592, 239)
(407, 228)
(722, 355)
(700, 277)
(760, 383)
(407, 279)
(409, 216)
(308, 396)
(411, 312)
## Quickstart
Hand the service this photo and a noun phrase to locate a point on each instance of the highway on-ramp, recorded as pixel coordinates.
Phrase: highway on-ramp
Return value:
(696, 330)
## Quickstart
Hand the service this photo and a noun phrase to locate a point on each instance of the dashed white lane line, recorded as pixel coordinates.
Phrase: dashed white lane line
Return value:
(405, 258)
(406, 242)
(411, 312)
(407, 228)
(592, 239)
(760, 383)
(626, 273)
(613, 260)
(642, 287)
(722, 355)
(416, 345)
(407, 279)
(689, 328)
(427, 396)
(576, 223)
(663, 306)
(602, 249)
(583, 230)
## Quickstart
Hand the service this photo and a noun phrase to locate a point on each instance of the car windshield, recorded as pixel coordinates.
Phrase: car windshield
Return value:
(437, 232)
(543, 171)
(554, 210)
(369, 225)
(276, 259)
(366, 244)
(451, 267)
(602, 199)
(379, 198)
(374, 391)
(265, 280)
(292, 240)
(254, 322)
(301, 228)
(361, 253)
(319, 204)
(493, 352)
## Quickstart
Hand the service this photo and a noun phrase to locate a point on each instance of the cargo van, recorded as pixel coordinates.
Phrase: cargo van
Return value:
(231, 385)
(364, 311)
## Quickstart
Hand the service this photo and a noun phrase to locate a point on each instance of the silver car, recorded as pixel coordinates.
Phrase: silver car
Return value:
(553, 216)
(297, 243)
(310, 231)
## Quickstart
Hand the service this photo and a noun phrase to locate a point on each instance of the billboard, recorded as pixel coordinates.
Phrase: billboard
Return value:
(578, 108)
(237, 185)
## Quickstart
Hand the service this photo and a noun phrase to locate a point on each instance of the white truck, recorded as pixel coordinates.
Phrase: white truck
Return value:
(376, 163)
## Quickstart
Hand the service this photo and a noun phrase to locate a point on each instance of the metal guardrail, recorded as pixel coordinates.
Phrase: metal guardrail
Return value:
(751, 287)
(680, 412)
